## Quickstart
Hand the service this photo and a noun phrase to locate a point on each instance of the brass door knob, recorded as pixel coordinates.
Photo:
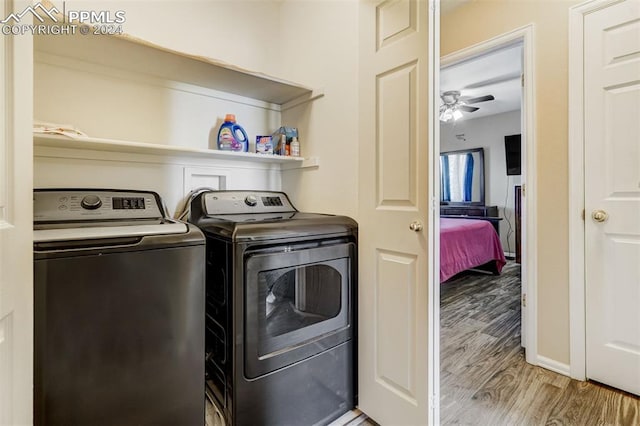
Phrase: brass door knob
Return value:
(415, 226)
(599, 215)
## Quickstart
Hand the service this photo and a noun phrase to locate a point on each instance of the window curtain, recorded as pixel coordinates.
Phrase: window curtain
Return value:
(445, 179)
(468, 178)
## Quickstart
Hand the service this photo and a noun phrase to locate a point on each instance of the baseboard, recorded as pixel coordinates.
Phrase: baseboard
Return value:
(553, 365)
(509, 255)
(352, 417)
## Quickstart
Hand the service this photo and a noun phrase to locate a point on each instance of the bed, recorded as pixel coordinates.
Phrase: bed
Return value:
(466, 244)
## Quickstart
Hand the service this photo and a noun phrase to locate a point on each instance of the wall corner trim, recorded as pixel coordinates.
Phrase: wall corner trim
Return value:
(553, 365)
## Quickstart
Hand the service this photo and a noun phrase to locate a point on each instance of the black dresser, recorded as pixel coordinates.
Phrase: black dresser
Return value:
(488, 213)
(484, 211)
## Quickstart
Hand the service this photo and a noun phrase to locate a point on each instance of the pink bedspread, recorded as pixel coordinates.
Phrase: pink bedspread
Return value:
(468, 243)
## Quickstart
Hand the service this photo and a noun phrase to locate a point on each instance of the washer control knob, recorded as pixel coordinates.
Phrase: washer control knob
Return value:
(251, 200)
(91, 202)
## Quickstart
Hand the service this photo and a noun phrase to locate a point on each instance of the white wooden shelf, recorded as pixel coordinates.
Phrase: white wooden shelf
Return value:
(132, 54)
(111, 145)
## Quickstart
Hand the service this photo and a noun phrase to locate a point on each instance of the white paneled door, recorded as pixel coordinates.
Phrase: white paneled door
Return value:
(393, 211)
(16, 266)
(612, 194)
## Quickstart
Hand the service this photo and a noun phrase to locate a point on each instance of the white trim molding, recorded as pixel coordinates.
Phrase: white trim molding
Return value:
(553, 365)
(526, 36)
(434, 213)
(577, 330)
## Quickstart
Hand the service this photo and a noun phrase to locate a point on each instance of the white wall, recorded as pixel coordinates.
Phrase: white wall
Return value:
(171, 177)
(309, 42)
(109, 103)
(241, 32)
(319, 45)
(489, 133)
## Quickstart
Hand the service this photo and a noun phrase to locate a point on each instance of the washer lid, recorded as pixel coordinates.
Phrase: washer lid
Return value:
(91, 233)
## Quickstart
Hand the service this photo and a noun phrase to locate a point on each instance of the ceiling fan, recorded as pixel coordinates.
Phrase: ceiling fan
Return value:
(452, 105)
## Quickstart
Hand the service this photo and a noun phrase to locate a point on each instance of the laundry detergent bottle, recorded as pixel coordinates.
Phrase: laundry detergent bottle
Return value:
(231, 136)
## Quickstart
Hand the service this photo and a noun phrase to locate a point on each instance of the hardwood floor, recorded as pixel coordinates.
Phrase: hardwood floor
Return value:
(484, 378)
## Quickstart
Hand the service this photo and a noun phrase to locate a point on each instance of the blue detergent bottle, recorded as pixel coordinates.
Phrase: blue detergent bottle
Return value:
(231, 136)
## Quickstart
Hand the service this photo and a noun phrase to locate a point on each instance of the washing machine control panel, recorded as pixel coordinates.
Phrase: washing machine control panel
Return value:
(88, 204)
(243, 202)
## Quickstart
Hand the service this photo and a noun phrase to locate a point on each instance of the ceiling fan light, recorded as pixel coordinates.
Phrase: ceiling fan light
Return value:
(446, 115)
(457, 115)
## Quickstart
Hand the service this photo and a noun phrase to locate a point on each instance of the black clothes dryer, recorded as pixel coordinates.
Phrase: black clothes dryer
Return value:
(280, 309)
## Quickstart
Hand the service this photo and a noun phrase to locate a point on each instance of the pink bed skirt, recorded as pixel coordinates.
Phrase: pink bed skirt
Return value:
(468, 243)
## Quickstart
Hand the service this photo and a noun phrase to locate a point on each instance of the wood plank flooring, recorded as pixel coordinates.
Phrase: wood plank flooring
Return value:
(484, 377)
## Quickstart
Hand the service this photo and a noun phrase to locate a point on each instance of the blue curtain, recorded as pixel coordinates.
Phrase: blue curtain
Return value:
(468, 178)
(444, 167)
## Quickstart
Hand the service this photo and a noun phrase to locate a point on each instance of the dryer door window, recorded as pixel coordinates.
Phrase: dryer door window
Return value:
(296, 305)
(295, 298)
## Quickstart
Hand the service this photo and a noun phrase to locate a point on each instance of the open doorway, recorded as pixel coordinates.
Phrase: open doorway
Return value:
(482, 326)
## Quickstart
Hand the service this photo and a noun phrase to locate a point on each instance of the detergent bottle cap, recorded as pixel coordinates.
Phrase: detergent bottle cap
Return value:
(230, 117)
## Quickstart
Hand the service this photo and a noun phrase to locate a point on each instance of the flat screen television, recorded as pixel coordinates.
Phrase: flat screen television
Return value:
(513, 154)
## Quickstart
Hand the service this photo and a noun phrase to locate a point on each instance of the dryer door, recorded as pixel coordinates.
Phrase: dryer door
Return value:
(297, 304)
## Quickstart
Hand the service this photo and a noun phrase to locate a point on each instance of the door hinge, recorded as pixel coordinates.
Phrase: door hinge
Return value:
(522, 189)
(433, 401)
(522, 80)
(524, 300)
(582, 215)
(435, 204)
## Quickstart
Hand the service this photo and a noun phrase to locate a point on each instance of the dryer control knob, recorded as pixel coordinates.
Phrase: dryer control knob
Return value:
(251, 200)
(91, 202)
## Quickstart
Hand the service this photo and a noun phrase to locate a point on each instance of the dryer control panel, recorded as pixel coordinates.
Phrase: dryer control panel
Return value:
(70, 205)
(244, 202)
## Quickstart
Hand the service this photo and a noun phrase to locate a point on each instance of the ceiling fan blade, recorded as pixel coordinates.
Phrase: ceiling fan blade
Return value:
(468, 108)
(495, 80)
(479, 99)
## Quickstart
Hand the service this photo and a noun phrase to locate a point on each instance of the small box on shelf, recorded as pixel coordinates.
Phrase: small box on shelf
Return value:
(282, 139)
(264, 145)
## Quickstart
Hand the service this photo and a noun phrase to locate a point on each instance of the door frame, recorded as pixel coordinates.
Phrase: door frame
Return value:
(525, 35)
(433, 226)
(16, 222)
(577, 300)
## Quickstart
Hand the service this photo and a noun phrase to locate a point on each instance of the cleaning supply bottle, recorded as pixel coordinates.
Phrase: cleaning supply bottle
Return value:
(294, 147)
(281, 147)
(231, 136)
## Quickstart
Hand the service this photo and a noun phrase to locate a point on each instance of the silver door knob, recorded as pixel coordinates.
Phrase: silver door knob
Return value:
(415, 226)
(599, 215)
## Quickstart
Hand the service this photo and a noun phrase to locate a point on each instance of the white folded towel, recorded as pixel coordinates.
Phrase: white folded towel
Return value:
(57, 129)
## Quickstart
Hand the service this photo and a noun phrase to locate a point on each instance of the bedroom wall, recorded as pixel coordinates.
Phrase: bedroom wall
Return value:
(489, 133)
(482, 20)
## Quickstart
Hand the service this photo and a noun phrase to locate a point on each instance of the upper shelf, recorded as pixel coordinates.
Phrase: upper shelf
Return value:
(136, 55)
(111, 145)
